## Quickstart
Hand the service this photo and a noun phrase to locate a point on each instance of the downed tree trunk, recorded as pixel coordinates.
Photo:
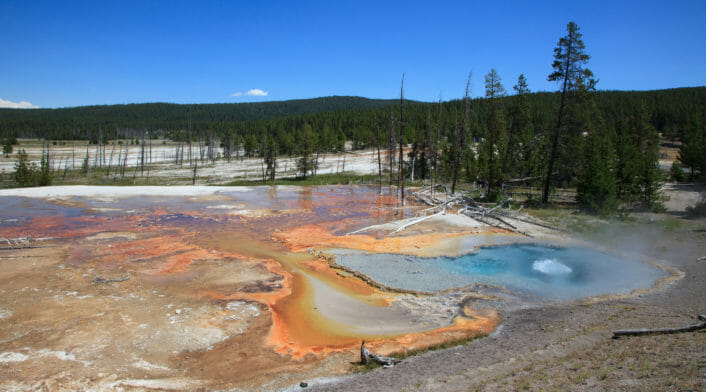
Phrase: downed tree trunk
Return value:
(502, 213)
(645, 331)
(366, 356)
(414, 222)
(98, 279)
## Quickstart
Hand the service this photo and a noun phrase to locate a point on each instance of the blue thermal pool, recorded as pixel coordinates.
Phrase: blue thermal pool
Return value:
(549, 272)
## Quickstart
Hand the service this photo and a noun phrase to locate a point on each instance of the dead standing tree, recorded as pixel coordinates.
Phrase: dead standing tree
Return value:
(391, 142)
(377, 134)
(435, 148)
(400, 174)
(461, 134)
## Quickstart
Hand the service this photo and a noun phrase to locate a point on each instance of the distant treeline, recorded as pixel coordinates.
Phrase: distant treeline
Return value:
(607, 148)
(671, 112)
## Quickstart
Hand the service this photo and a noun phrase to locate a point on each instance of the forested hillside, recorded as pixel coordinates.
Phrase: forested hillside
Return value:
(669, 111)
(603, 144)
(82, 122)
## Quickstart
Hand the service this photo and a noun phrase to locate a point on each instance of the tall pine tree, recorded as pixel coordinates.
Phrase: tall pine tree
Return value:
(493, 146)
(569, 61)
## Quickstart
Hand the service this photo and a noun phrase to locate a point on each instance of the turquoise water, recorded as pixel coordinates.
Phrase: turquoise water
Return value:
(530, 269)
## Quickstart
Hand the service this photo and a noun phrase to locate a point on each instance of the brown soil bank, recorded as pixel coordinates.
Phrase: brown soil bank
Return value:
(569, 346)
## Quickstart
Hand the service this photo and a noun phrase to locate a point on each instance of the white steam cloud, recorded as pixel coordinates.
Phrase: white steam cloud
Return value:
(20, 105)
(254, 92)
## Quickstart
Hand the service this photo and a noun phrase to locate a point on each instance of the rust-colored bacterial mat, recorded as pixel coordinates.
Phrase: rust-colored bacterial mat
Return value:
(224, 289)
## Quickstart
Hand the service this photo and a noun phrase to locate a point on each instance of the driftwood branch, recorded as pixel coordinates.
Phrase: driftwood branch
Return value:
(25, 242)
(532, 222)
(98, 279)
(414, 222)
(366, 356)
(659, 331)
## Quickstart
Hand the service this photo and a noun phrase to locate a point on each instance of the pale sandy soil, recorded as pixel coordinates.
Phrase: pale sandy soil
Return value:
(682, 196)
(163, 167)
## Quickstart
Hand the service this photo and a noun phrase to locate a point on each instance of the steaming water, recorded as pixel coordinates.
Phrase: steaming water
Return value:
(538, 270)
(551, 267)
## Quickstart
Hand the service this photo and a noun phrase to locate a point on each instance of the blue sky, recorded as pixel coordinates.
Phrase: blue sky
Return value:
(72, 53)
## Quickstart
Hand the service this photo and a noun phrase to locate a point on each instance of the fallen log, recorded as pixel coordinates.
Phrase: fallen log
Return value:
(98, 279)
(659, 331)
(483, 216)
(366, 356)
(528, 221)
(414, 222)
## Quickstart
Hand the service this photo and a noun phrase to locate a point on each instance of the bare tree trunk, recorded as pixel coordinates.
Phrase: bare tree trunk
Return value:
(658, 331)
(110, 162)
(127, 154)
(196, 165)
(142, 154)
(316, 162)
(435, 149)
(182, 155)
(149, 163)
(555, 137)
(462, 134)
(391, 149)
(400, 175)
(377, 133)
(86, 161)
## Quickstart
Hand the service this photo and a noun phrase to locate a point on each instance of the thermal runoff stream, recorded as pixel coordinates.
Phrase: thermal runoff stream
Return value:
(190, 287)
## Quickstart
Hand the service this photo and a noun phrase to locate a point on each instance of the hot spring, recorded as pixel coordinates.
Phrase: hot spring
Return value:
(538, 270)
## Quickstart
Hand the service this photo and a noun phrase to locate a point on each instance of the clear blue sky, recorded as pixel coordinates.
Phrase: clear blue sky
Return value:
(71, 53)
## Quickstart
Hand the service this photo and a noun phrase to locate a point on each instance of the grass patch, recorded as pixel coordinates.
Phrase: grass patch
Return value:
(370, 365)
(440, 346)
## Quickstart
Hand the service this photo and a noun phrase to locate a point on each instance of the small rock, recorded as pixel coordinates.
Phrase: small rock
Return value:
(178, 311)
(303, 384)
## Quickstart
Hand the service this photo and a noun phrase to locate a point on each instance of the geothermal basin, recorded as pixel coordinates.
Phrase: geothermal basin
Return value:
(534, 270)
(183, 288)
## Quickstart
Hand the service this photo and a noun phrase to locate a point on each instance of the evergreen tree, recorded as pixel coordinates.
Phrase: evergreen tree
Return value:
(650, 174)
(597, 183)
(307, 145)
(518, 153)
(44, 175)
(493, 146)
(7, 147)
(25, 171)
(692, 152)
(569, 61)
(250, 145)
(628, 167)
(676, 172)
